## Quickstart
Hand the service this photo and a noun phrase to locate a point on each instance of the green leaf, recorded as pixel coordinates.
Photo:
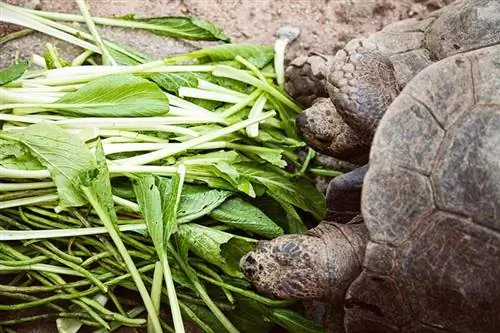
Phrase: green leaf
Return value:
(250, 316)
(241, 214)
(282, 213)
(294, 322)
(298, 192)
(206, 243)
(271, 155)
(183, 27)
(197, 201)
(15, 155)
(115, 96)
(66, 156)
(170, 192)
(149, 200)
(13, 72)
(256, 54)
(232, 251)
(100, 184)
(173, 81)
(230, 174)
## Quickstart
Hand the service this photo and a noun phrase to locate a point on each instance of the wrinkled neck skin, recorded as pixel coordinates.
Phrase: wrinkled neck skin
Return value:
(345, 248)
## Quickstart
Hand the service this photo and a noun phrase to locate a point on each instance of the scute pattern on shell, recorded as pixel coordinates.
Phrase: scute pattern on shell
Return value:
(444, 253)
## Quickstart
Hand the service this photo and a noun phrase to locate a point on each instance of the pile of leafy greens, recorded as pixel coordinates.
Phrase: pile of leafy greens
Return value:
(130, 188)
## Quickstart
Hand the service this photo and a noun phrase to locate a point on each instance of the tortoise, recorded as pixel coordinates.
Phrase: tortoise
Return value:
(411, 241)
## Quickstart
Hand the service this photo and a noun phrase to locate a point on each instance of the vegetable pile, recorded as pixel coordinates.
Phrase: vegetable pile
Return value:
(130, 188)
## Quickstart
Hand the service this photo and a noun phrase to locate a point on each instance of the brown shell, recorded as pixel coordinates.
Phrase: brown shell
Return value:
(431, 202)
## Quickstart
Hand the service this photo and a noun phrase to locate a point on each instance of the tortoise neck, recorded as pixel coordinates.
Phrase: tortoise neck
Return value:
(345, 250)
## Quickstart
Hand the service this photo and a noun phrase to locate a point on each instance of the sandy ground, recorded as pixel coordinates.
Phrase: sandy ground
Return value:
(325, 26)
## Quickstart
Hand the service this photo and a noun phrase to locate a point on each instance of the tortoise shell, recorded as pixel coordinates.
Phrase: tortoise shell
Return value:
(431, 203)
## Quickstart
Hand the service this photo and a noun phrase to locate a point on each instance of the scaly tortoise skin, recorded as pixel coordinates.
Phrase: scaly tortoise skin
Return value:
(423, 256)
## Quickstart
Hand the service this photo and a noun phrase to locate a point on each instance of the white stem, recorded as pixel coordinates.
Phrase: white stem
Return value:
(126, 203)
(209, 95)
(169, 151)
(29, 201)
(113, 169)
(120, 122)
(205, 85)
(186, 105)
(13, 15)
(8, 187)
(256, 111)
(38, 60)
(93, 30)
(279, 60)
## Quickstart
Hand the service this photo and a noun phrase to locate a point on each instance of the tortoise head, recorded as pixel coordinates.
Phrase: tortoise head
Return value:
(317, 265)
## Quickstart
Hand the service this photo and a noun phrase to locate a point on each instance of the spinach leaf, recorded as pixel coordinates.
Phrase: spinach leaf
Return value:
(115, 96)
(299, 192)
(207, 243)
(243, 215)
(65, 156)
(190, 27)
(15, 155)
(173, 81)
(197, 201)
(256, 54)
(149, 200)
(100, 185)
(13, 72)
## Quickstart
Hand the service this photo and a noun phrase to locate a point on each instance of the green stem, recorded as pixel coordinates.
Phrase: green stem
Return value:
(200, 289)
(325, 172)
(115, 236)
(247, 293)
(172, 296)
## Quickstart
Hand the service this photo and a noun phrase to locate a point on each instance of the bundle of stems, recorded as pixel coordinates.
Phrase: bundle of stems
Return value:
(129, 186)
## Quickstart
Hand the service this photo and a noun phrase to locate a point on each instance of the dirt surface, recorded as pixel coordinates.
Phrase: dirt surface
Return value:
(325, 26)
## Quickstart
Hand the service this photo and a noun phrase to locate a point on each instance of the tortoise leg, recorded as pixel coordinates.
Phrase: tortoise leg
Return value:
(323, 129)
(343, 197)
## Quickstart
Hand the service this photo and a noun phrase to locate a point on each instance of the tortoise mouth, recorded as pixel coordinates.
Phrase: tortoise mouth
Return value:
(309, 135)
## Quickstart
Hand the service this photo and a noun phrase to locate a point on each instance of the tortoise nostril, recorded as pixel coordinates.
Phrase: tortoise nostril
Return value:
(301, 123)
(250, 260)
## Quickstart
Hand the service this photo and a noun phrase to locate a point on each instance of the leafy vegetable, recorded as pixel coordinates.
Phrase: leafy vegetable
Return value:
(170, 168)
(65, 156)
(242, 215)
(197, 201)
(158, 202)
(115, 96)
(52, 57)
(298, 192)
(206, 243)
(100, 196)
(192, 27)
(13, 72)
(255, 54)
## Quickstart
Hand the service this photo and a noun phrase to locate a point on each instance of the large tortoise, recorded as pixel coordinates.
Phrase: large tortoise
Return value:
(424, 254)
